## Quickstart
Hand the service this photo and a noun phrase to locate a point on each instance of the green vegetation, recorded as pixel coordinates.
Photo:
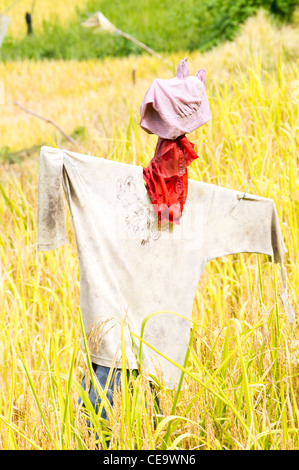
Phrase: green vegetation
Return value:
(167, 26)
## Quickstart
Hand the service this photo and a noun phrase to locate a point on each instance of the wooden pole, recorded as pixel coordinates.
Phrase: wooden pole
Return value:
(144, 46)
(68, 137)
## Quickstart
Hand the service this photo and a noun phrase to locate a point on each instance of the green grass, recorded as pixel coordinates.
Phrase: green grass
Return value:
(167, 26)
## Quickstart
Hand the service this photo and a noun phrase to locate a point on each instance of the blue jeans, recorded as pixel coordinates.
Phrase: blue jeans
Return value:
(102, 373)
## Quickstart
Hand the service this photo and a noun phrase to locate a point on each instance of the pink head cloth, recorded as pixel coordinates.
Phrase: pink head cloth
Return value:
(176, 106)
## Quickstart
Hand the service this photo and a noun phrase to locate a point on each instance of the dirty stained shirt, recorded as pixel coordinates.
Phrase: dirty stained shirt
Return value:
(129, 269)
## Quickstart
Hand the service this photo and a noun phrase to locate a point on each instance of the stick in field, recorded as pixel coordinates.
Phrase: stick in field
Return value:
(68, 137)
(100, 23)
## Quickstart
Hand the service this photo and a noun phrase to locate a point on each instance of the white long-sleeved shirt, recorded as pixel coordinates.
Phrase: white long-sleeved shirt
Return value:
(129, 269)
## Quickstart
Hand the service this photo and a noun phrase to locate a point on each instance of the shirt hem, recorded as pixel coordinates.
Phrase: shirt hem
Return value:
(110, 362)
(169, 384)
(51, 246)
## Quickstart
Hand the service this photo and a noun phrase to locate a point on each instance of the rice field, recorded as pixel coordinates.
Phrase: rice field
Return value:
(241, 378)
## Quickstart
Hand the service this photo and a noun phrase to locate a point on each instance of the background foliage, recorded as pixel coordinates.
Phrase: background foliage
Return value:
(165, 26)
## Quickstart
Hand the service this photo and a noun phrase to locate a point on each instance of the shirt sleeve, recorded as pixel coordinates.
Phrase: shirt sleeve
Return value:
(239, 223)
(51, 224)
(243, 224)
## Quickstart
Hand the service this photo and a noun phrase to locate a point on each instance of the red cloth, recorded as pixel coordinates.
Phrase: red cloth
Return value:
(166, 177)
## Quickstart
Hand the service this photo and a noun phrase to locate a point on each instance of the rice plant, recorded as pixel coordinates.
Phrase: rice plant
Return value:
(240, 388)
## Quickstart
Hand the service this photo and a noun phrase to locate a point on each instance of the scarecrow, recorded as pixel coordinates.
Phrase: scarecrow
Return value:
(139, 276)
